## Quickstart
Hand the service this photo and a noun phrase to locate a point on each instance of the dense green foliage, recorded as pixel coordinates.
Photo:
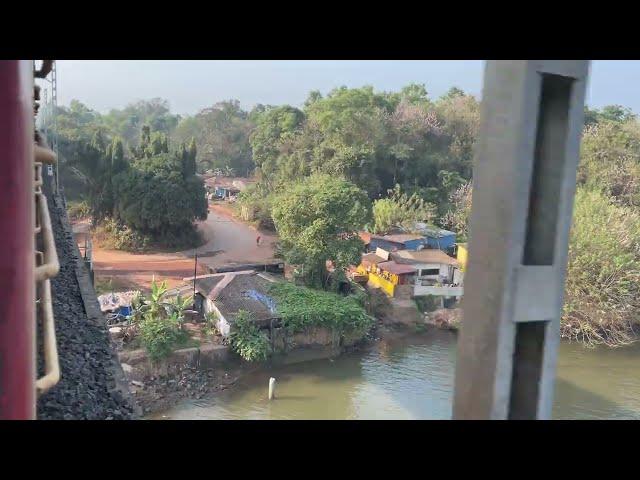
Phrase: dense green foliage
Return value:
(602, 303)
(602, 292)
(375, 140)
(140, 191)
(602, 289)
(247, 340)
(301, 308)
(160, 196)
(221, 134)
(317, 220)
(410, 154)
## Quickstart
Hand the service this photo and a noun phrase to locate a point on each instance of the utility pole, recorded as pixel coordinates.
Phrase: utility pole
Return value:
(523, 187)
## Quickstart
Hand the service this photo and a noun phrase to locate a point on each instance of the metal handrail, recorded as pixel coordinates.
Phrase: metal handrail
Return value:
(38, 227)
(38, 180)
(51, 265)
(51, 360)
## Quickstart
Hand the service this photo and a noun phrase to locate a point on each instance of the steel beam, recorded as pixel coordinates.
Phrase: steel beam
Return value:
(523, 188)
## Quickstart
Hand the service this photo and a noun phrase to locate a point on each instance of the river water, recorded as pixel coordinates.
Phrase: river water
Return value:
(413, 379)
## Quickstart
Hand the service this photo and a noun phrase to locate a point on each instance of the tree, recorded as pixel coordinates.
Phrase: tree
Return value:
(457, 218)
(160, 196)
(400, 210)
(275, 127)
(127, 122)
(318, 220)
(222, 134)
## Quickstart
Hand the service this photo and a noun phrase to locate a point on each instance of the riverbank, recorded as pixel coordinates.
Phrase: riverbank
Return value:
(185, 377)
(411, 376)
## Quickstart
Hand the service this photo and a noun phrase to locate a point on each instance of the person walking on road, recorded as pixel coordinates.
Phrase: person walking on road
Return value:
(258, 241)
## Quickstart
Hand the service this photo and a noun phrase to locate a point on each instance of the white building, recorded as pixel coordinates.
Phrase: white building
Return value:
(438, 273)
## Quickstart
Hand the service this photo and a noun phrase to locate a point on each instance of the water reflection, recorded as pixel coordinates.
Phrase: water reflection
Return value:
(413, 379)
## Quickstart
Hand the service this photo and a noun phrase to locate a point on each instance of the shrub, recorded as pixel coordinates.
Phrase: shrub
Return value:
(602, 299)
(159, 336)
(247, 340)
(159, 321)
(78, 210)
(210, 327)
(254, 205)
(427, 303)
(301, 308)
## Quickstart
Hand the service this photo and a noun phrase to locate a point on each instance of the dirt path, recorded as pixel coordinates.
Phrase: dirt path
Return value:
(232, 240)
(228, 240)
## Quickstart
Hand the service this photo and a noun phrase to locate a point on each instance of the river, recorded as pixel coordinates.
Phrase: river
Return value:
(412, 378)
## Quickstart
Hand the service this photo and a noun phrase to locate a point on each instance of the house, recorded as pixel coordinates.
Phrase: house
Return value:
(430, 264)
(436, 237)
(397, 241)
(225, 191)
(225, 294)
(384, 273)
(437, 273)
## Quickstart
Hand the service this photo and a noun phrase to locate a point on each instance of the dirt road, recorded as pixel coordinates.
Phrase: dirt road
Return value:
(227, 241)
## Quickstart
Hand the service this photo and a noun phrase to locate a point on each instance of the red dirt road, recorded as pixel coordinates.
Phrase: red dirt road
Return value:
(228, 240)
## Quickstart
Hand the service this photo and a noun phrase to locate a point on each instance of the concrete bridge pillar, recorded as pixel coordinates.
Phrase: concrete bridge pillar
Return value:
(523, 188)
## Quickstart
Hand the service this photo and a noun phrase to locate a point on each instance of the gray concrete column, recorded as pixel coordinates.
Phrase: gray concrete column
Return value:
(523, 188)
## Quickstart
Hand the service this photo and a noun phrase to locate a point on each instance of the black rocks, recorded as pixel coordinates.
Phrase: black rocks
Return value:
(87, 387)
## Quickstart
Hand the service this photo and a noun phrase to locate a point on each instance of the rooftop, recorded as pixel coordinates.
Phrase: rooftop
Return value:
(433, 231)
(423, 256)
(399, 237)
(396, 268)
(235, 291)
(372, 259)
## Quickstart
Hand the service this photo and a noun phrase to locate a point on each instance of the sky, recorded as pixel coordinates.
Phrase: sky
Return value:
(190, 85)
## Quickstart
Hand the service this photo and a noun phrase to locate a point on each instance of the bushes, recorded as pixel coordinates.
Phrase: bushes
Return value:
(160, 336)
(301, 308)
(77, 210)
(160, 322)
(400, 210)
(247, 340)
(115, 235)
(602, 299)
(427, 303)
(255, 206)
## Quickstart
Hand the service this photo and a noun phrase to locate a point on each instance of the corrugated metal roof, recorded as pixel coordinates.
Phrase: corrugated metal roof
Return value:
(400, 237)
(423, 256)
(372, 259)
(433, 231)
(396, 268)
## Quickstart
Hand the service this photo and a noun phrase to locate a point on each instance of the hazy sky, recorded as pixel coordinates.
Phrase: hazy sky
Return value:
(190, 85)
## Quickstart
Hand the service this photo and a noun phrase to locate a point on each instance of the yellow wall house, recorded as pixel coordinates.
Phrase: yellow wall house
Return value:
(384, 273)
(462, 255)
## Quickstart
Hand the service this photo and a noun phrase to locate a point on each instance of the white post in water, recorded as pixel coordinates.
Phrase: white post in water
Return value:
(272, 388)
